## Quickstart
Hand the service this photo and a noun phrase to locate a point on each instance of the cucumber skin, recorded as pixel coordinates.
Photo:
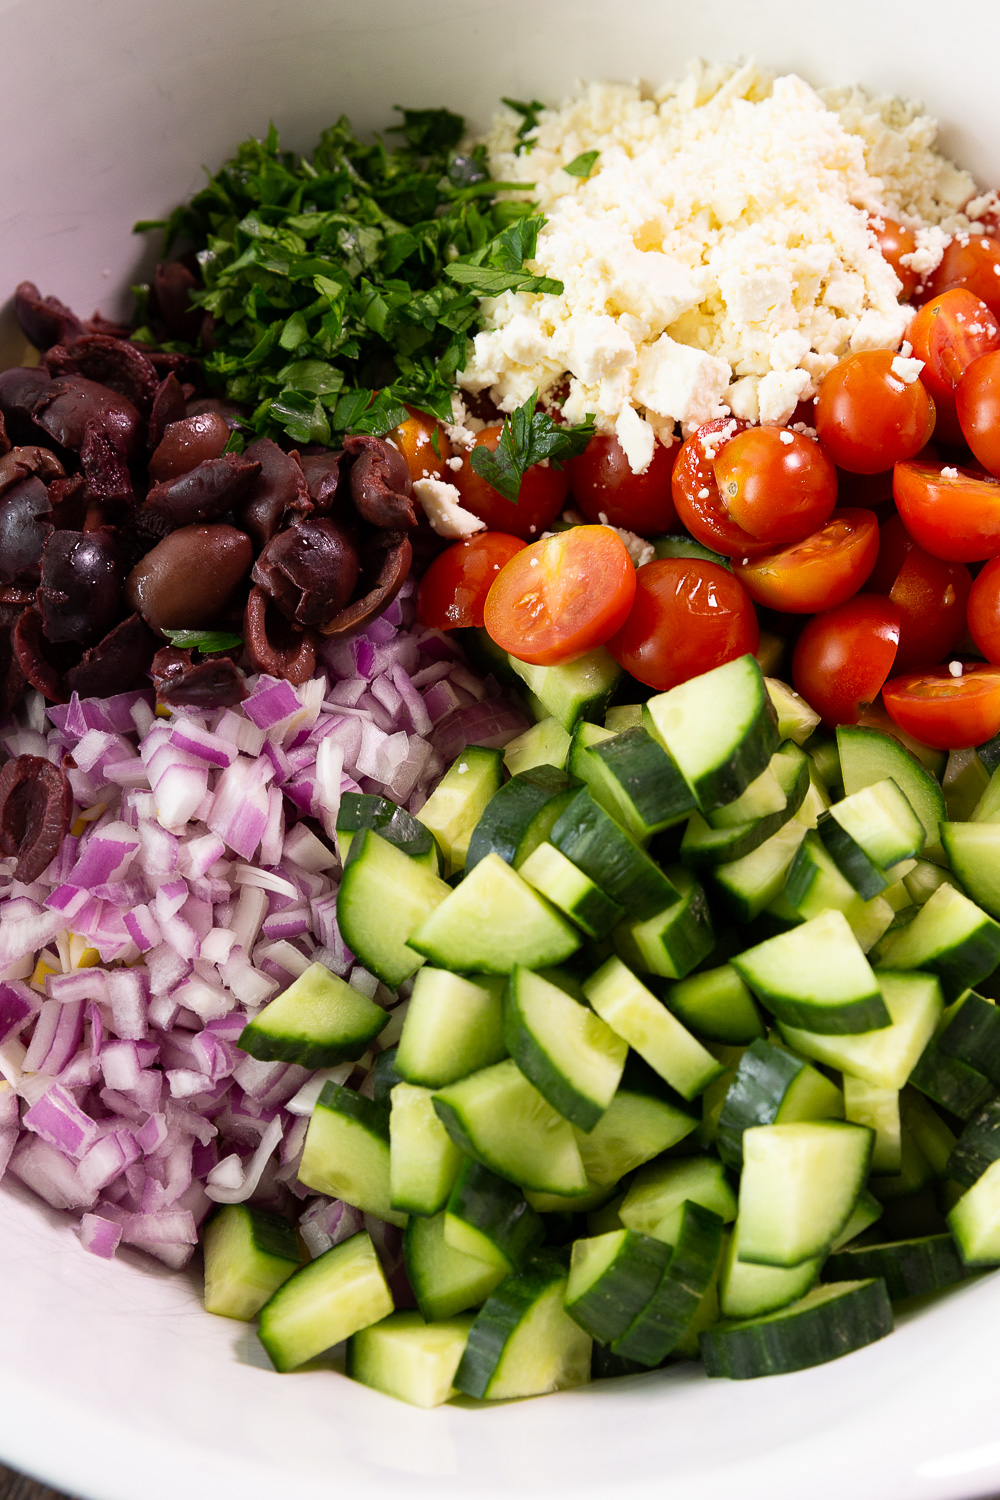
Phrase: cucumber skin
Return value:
(662, 1323)
(977, 1148)
(909, 1268)
(850, 859)
(539, 1070)
(746, 1350)
(972, 1035)
(501, 830)
(951, 1082)
(752, 1098)
(497, 1209)
(606, 1313)
(591, 839)
(304, 1051)
(498, 1319)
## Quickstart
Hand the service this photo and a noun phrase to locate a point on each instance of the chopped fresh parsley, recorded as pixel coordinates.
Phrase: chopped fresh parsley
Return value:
(528, 436)
(529, 121)
(582, 165)
(203, 640)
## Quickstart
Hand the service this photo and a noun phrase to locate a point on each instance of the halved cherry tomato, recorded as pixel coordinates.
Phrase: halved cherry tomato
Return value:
(424, 444)
(604, 487)
(696, 491)
(561, 596)
(868, 417)
(843, 657)
(776, 484)
(946, 712)
(953, 513)
(688, 617)
(978, 405)
(542, 497)
(973, 261)
(453, 591)
(824, 570)
(983, 612)
(948, 333)
(930, 594)
(895, 241)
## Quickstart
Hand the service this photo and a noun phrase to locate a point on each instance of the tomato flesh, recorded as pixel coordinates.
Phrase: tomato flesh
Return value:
(452, 593)
(945, 711)
(953, 512)
(843, 657)
(984, 611)
(978, 407)
(562, 596)
(776, 484)
(868, 417)
(948, 333)
(895, 241)
(688, 617)
(605, 489)
(818, 573)
(424, 444)
(972, 261)
(542, 496)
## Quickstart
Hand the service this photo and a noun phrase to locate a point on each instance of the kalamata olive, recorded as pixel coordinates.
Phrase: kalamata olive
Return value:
(115, 363)
(216, 682)
(278, 491)
(187, 443)
(273, 644)
(44, 321)
(168, 406)
(117, 663)
(41, 663)
(380, 483)
(12, 680)
(71, 406)
(205, 493)
(20, 388)
(25, 522)
(5, 442)
(173, 284)
(189, 577)
(310, 571)
(36, 809)
(387, 557)
(80, 591)
(18, 463)
(233, 412)
(324, 471)
(107, 473)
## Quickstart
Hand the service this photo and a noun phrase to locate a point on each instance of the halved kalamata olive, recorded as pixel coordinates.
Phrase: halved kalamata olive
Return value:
(325, 471)
(70, 406)
(17, 463)
(36, 809)
(43, 664)
(391, 553)
(186, 581)
(12, 680)
(216, 682)
(173, 284)
(232, 412)
(204, 493)
(5, 442)
(80, 590)
(25, 522)
(186, 443)
(114, 363)
(168, 406)
(107, 473)
(117, 663)
(273, 644)
(380, 483)
(278, 491)
(310, 571)
(20, 388)
(44, 321)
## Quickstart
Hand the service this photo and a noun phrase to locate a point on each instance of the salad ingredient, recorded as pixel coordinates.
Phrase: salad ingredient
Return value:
(36, 809)
(561, 597)
(969, 261)
(699, 504)
(452, 592)
(897, 244)
(187, 581)
(818, 573)
(249, 1254)
(776, 484)
(318, 1021)
(978, 405)
(873, 411)
(687, 616)
(930, 594)
(523, 1343)
(328, 1299)
(843, 657)
(948, 333)
(953, 511)
(533, 507)
(606, 490)
(946, 710)
(984, 611)
(827, 1322)
(408, 1358)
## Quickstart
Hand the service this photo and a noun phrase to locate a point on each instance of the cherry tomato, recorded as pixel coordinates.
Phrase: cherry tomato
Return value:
(776, 484)
(542, 496)
(824, 570)
(604, 487)
(561, 596)
(984, 611)
(953, 513)
(453, 591)
(688, 616)
(895, 241)
(696, 491)
(424, 444)
(978, 406)
(843, 657)
(948, 333)
(973, 261)
(946, 712)
(867, 417)
(931, 596)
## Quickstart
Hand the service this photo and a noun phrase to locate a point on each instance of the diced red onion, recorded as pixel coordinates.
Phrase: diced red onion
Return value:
(100, 1236)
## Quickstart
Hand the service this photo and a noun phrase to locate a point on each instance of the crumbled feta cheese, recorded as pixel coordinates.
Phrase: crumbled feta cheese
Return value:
(455, 462)
(786, 438)
(780, 392)
(908, 370)
(637, 547)
(441, 505)
(955, 668)
(637, 438)
(949, 472)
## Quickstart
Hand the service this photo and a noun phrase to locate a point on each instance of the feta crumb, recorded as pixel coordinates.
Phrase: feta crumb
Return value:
(785, 437)
(455, 462)
(948, 472)
(440, 502)
(955, 668)
(463, 768)
(637, 547)
(908, 370)
(637, 439)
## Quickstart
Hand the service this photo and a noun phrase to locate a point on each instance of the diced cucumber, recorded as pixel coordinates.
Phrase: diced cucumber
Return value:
(816, 977)
(815, 884)
(720, 728)
(950, 936)
(975, 1220)
(934, 1139)
(658, 1328)
(501, 1120)
(523, 1342)
(385, 1077)
(909, 1268)
(878, 1108)
(833, 1319)
(346, 1153)
(491, 1219)
(885, 1057)
(655, 1199)
(772, 1087)
(632, 777)
(974, 852)
(825, 759)
(405, 1357)
(576, 690)
(360, 810)
(866, 1212)
(611, 1279)
(796, 720)
(761, 799)
(622, 716)
(989, 754)
(798, 1187)
(714, 1096)
(950, 1082)
(706, 1315)
(337, 1294)
(571, 891)
(444, 1281)
(870, 831)
(453, 1027)
(674, 941)
(748, 885)
(492, 921)
(978, 1147)
(544, 744)
(748, 1291)
(964, 781)
(600, 847)
(923, 880)
(249, 1253)
(868, 756)
(423, 1159)
(644, 1119)
(572, 1057)
(519, 815)
(970, 1030)
(987, 809)
(914, 1173)
(728, 841)
(383, 896)
(716, 1004)
(634, 1012)
(458, 801)
(318, 1021)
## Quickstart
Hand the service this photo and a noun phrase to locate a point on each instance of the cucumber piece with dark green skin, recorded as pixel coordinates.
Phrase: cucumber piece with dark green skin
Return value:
(717, 1005)
(634, 1012)
(772, 1087)
(572, 1057)
(346, 1152)
(654, 1202)
(974, 1221)
(633, 778)
(951, 937)
(833, 1319)
(574, 690)
(408, 1358)
(674, 941)
(868, 832)
(867, 756)
(816, 977)
(592, 840)
(970, 1031)
(360, 810)
(318, 1021)
(748, 1291)
(523, 1342)
(666, 1317)
(950, 1082)
(249, 1253)
(571, 891)
(748, 885)
(798, 1188)
(850, 859)
(544, 744)
(611, 1279)
(423, 1159)
(978, 1147)
(518, 817)
(333, 1296)
(490, 1219)
(383, 896)
(704, 845)
(909, 1268)
(885, 1057)
(444, 1281)
(385, 1077)
(453, 1027)
(645, 1118)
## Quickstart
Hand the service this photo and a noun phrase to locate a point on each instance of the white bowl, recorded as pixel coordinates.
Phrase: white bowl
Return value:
(114, 1383)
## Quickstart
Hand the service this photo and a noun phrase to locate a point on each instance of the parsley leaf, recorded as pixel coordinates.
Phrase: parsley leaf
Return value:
(528, 436)
(529, 121)
(203, 640)
(582, 165)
